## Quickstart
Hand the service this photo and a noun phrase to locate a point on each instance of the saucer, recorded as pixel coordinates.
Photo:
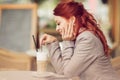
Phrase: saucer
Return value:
(43, 74)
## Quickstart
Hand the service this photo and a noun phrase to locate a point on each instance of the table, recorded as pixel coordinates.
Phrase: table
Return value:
(30, 75)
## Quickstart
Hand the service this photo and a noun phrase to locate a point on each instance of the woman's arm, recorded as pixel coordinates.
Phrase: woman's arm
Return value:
(74, 63)
(58, 59)
(84, 56)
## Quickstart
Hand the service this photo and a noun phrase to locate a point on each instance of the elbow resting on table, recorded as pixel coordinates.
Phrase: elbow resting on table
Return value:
(69, 73)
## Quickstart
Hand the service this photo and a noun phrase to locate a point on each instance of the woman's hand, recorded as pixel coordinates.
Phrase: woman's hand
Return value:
(45, 39)
(68, 32)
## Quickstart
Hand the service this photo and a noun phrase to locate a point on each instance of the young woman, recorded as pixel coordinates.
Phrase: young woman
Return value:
(85, 51)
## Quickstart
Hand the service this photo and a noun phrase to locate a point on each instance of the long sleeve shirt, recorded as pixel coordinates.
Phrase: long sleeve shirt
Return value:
(83, 57)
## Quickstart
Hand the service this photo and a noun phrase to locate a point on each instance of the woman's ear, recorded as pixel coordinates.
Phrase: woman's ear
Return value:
(72, 19)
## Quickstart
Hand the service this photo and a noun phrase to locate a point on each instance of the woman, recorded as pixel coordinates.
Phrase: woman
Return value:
(85, 50)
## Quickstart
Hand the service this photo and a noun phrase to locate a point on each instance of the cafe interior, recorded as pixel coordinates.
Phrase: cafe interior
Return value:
(23, 22)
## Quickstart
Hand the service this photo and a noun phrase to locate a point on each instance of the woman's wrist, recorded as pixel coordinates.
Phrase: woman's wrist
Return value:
(68, 43)
(54, 40)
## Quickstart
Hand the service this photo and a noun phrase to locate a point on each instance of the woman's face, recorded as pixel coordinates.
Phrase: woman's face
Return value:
(60, 23)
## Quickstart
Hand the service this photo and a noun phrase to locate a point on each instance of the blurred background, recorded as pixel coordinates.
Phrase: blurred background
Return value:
(20, 19)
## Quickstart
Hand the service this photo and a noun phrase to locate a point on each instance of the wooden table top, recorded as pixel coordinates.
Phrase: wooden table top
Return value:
(30, 75)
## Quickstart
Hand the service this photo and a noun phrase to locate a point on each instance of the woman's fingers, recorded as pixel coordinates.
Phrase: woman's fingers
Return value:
(47, 39)
(63, 33)
(67, 31)
(70, 30)
(42, 39)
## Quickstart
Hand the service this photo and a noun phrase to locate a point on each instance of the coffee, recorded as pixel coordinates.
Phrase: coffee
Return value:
(41, 66)
(41, 61)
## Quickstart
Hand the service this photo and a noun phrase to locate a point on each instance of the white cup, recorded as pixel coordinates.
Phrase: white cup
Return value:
(42, 60)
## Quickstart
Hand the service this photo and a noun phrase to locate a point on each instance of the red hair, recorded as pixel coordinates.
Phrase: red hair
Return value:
(83, 19)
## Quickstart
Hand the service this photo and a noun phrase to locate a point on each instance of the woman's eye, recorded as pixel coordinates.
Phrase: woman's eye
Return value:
(58, 23)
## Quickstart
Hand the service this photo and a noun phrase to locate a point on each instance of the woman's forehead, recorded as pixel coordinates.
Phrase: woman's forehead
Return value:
(56, 18)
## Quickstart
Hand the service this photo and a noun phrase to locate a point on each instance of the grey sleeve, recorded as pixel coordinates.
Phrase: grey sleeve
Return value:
(84, 56)
(73, 63)
(58, 59)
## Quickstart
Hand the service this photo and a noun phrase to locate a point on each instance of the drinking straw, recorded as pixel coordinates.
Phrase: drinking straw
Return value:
(35, 43)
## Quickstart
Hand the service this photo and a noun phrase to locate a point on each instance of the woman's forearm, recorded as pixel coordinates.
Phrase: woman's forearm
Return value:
(60, 58)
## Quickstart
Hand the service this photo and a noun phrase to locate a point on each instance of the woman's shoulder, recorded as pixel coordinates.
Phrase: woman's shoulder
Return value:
(87, 35)
(89, 38)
